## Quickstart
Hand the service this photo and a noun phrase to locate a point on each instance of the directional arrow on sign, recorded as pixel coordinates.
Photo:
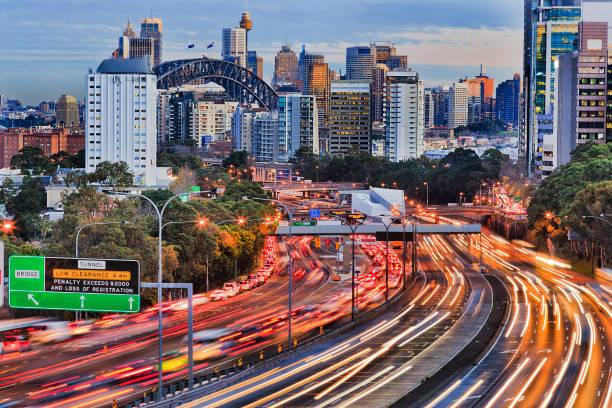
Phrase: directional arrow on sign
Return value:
(31, 297)
(82, 301)
(131, 300)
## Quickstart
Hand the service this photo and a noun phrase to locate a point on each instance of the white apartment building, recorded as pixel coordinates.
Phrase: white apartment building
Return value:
(404, 115)
(211, 119)
(298, 124)
(234, 46)
(264, 137)
(458, 105)
(120, 117)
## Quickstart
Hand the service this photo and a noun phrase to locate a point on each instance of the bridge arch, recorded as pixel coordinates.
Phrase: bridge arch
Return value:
(239, 82)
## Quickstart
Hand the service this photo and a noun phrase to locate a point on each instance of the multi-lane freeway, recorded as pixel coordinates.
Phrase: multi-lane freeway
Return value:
(435, 345)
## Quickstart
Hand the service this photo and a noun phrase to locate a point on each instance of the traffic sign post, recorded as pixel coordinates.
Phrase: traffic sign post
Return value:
(315, 213)
(97, 285)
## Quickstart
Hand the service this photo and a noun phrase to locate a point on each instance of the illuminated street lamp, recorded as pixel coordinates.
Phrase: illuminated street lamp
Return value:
(427, 186)
(8, 226)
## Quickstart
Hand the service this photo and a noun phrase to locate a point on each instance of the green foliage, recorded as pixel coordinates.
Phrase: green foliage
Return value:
(106, 174)
(460, 171)
(178, 160)
(488, 127)
(594, 199)
(238, 159)
(590, 163)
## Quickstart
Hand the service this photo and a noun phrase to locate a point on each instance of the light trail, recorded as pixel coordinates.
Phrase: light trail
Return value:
(528, 383)
(356, 387)
(516, 308)
(507, 383)
(450, 389)
(561, 373)
(466, 394)
(370, 390)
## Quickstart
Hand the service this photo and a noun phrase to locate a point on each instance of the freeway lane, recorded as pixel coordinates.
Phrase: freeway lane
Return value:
(369, 365)
(562, 357)
(76, 361)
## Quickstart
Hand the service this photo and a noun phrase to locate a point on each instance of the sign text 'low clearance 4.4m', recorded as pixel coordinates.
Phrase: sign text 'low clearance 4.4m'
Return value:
(105, 285)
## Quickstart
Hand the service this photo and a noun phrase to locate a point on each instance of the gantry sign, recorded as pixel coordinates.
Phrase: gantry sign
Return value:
(103, 285)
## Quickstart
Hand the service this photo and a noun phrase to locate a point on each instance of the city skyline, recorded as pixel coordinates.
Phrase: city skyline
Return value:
(441, 46)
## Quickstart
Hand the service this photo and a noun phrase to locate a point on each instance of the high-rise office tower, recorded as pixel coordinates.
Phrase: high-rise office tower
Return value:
(378, 91)
(551, 29)
(285, 67)
(255, 63)
(428, 109)
(507, 97)
(152, 28)
(458, 105)
(316, 80)
(440, 100)
(120, 117)
(480, 94)
(134, 47)
(298, 124)
(360, 62)
(397, 62)
(305, 62)
(404, 115)
(349, 120)
(234, 47)
(67, 113)
(383, 50)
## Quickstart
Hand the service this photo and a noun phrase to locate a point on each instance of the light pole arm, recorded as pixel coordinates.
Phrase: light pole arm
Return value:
(597, 218)
(76, 252)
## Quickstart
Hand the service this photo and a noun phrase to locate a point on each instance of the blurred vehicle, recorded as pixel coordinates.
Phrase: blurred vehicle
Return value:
(14, 344)
(50, 332)
(80, 327)
(218, 294)
(246, 285)
(230, 290)
(115, 319)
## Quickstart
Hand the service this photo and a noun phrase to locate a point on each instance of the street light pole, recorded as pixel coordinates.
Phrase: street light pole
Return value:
(427, 188)
(76, 246)
(290, 215)
(160, 215)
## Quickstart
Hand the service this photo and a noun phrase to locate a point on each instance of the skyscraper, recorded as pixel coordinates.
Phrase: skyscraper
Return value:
(234, 47)
(383, 51)
(285, 67)
(428, 109)
(480, 94)
(551, 29)
(298, 124)
(378, 91)
(397, 62)
(247, 24)
(131, 46)
(360, 62)
(67, 114)
(458, 105)
(404, 115)
(315, 77)
(264, 137)
(255, 63)
(349, 119)
(152, 28)
(120, 117)
(507, 97)
(306, 60)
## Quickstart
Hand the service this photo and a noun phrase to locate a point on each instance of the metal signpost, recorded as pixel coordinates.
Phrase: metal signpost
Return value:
(98, 285)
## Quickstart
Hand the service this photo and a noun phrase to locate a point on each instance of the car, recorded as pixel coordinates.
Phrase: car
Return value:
(246, 285)
(80, 327)
(14, 344)
(231, 289)
(50, 332)
(218, 294)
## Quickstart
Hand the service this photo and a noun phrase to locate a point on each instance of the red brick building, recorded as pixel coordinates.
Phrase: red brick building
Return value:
(50, 142)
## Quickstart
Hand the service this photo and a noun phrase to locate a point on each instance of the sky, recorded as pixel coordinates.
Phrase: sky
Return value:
(47, 46)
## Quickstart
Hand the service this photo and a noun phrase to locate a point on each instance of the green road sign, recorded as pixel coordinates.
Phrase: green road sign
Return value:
(194, 188)
(304, 223)
(102, 285)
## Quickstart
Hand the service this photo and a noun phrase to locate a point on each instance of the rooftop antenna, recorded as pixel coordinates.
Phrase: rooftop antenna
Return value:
(246, 5)
(286, 42)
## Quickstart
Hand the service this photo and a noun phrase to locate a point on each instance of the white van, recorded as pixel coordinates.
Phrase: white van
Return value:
(50, 332)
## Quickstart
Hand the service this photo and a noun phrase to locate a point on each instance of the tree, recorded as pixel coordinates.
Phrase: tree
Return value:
(238, 159)
(112, 174)
(594, 199)
(7, 190)
(32, 158)
(183, 181)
